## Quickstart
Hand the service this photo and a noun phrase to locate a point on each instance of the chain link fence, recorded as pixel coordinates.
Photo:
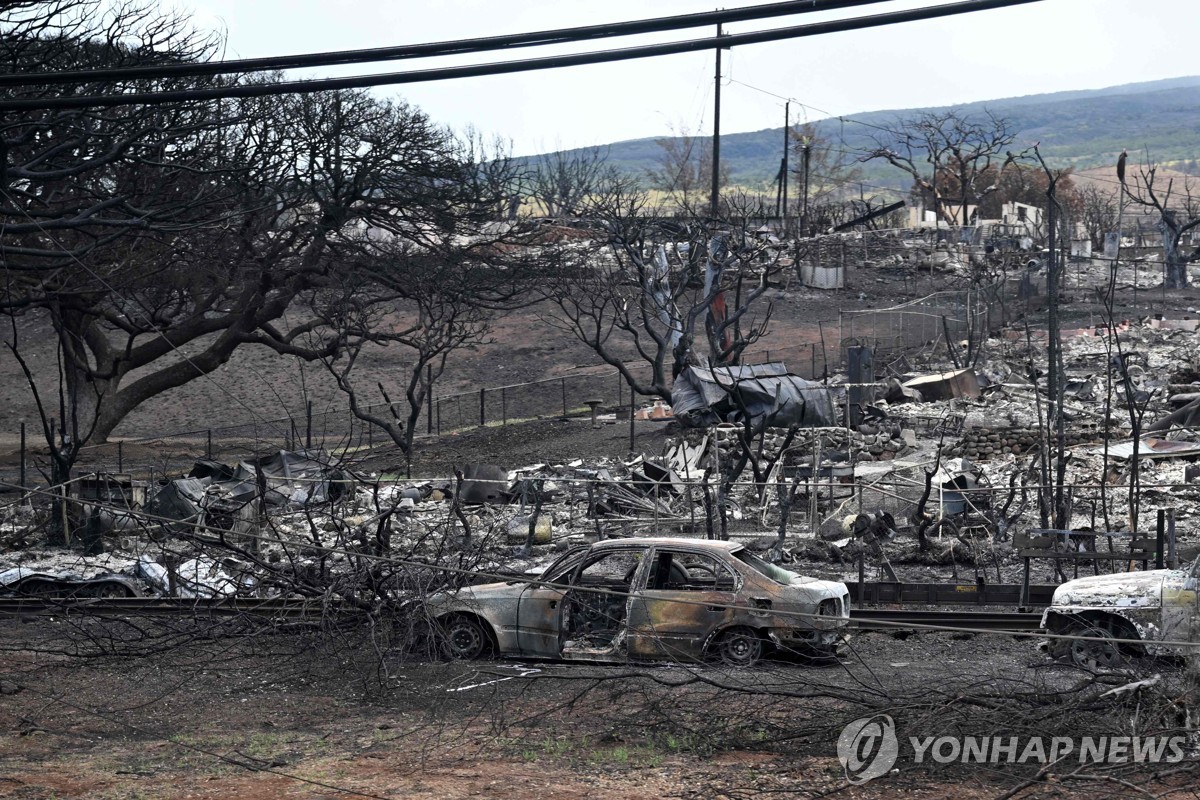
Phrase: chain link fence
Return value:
(929, 324)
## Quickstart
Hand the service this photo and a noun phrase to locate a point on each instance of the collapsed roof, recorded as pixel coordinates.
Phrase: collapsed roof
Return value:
(705, 396)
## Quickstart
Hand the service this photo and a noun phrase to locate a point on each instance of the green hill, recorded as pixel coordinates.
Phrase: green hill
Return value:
(1076, 128)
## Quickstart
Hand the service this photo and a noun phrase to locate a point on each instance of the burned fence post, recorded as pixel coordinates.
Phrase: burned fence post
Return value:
(1172, 557)
(1023, 603)
(631, 416)
(503, 405)
(120, 457)
(860, 364)
(308, 425)
(456, 507)
(537, 487)
(22, 460)
(439, 416)
(564, 397)
(208, 447)
(482, 401)
(593, 404)
(429, 394)
(1160, 534)
(708, 507)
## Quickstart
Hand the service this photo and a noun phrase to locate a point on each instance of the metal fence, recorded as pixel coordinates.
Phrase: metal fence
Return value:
(925, 324)
(564, 396)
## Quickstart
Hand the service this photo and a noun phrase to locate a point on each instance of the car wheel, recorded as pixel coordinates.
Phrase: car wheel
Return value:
(465, 638)
(1099, 652)
(739, 647)
(108, 589)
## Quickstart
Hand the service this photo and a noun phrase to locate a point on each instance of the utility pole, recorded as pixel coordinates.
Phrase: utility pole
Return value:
(806, 151)
(783, 175)
(715, 195)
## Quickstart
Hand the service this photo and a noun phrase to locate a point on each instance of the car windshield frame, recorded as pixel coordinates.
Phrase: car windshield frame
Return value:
(576, 553)
(763, 567)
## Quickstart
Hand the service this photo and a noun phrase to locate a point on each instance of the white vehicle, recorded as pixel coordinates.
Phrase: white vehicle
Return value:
(1153, 608)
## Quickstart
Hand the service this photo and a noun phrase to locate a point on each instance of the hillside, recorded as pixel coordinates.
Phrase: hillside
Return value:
(1082, 129)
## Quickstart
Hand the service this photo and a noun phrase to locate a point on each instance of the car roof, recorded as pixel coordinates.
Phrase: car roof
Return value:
(649, 541)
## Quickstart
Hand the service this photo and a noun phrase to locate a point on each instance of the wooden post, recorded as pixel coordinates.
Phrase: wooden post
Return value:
(439, 416)
(503, 405)
(1023, 603)
(429, 394)
(22, 460)
(631, 410)
(308, 424)
(1172, 557)
(208, 449)
(564, 396)
(814, 486)
(482, 400)
(120, 456)
(1160, 535)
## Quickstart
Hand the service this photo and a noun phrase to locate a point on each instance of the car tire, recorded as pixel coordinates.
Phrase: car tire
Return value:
(1097, 653)
(738, 647)
(112, 590)
(465, 639)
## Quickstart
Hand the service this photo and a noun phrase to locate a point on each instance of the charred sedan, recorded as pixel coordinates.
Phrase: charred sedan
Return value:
(648, 599)
(1148, 610)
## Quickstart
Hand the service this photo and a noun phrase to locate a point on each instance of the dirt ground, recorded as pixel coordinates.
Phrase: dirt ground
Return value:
(280, 718)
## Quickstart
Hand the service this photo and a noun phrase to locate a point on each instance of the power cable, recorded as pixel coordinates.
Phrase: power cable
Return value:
(451, 47)
(506, 67)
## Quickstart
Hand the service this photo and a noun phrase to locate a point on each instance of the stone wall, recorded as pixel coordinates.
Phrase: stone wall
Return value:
(980, 444)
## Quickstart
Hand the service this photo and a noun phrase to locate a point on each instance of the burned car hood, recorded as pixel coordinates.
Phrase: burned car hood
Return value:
(1124, 590)
(817, 586)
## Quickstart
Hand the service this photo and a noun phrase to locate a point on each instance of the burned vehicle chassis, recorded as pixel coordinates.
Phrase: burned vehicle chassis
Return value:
(1124, 615)
(649, 599)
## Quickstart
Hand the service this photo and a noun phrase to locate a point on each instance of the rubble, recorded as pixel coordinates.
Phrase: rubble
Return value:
(704, 397)
(804, 473)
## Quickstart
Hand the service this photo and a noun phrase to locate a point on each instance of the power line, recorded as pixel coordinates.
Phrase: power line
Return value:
(828, 114)
(452, 47)
(506, 67)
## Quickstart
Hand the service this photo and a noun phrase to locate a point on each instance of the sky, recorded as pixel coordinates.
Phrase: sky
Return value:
(1047, 46)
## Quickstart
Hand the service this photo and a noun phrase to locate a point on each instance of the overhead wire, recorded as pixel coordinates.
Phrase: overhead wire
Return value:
(484, 44)
(829, 115)
(506, 67)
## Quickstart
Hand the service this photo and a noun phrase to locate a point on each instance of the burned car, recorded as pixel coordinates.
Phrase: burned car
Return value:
(22, 582)
(1152, 608)
(647, 599)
